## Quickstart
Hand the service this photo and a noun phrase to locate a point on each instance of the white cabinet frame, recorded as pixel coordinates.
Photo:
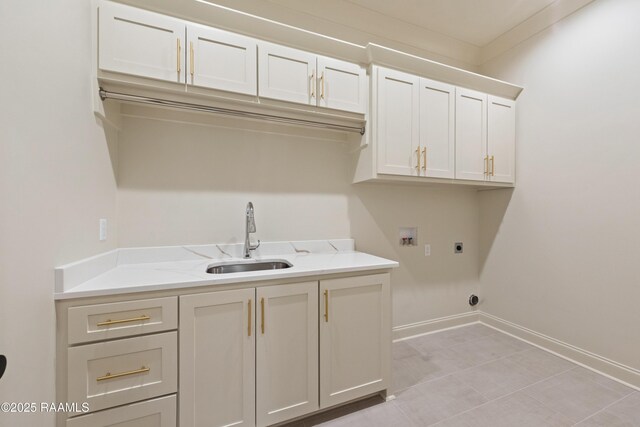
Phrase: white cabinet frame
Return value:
(286, 352)
(221, 60)
(355, 337)
(217, 359)
(141, 43)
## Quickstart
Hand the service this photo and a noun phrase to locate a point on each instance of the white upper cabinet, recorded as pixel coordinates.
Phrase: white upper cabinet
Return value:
(485, 137)
(341, 85)
(397, 120)
(141, 43)
(296, 76)
(471, 135)
(437, 129)
(416, 125)
(501, 140)
(430, 131)
(221, 60)
(286, 74)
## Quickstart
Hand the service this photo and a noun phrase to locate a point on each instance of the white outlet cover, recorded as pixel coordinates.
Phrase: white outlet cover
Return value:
(103, 229)
(427, 250)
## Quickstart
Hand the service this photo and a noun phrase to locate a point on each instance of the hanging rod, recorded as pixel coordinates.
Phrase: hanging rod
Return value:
(226, 111)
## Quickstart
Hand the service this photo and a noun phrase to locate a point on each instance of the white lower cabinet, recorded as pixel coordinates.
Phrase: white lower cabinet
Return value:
(249, 356)
(217, 359)
(255, 356)
(355, 337)
(151, 413)
(122, 371)
(286, 352)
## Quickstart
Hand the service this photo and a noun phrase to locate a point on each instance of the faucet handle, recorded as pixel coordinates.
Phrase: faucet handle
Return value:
(252, 247)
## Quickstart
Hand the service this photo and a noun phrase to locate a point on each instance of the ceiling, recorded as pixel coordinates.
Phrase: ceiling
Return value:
(477, 22)
(462, 33)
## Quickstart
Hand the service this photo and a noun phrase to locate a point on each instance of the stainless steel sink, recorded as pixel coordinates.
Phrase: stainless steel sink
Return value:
(239, 267)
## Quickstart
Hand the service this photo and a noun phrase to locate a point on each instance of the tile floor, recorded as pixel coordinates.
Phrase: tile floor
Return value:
(477, 376)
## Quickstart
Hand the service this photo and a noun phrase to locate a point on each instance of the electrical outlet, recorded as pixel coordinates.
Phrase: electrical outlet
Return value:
(457, 247)
(103, 229)
(427, 250)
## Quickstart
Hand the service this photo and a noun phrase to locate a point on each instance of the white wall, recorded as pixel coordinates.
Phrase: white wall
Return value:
(562, 256)
(56, 181)
(189, 183)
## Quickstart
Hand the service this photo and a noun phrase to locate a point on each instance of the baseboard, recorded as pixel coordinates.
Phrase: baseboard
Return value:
(614, 370)
(433, 325)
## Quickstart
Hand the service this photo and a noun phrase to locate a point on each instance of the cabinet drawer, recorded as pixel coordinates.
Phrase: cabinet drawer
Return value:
(122, 371)
(121, 319)
(151, 413)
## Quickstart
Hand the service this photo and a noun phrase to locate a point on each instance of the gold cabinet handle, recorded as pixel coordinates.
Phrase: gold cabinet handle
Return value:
(110, 376)
(115, 322)
(262, 314)
(178, 56)
(326, 305)
(418, 157)
(493, 166)
(424, 158)
(313, 83)
(191, 60)
(249, 327)
(486, 165)
(322, 86)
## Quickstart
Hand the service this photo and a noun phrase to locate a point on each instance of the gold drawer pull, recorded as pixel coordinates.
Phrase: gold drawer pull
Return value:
(191, 62)
(178, 56)
(326, 305)
(418, 158)
(110, 376)
(262, 315)
(313, 83)
(493, 166)
(424, 156)
(249, 327)
(115, 322)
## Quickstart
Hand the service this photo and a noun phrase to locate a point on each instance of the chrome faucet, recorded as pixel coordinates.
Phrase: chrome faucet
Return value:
(250, 228)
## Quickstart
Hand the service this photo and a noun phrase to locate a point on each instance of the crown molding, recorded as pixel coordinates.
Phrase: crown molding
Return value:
(537, 23)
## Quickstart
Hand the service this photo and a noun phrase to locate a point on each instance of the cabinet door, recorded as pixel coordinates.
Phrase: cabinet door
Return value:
(159, 412)
(222, 60)
(501, 141)
(437, 128)
(341, 85)
(147, 44)
(471, 135)
(286, 352)
(117, 372)
(286, 74)
(217, 359)
(398, 119)
(355, 337)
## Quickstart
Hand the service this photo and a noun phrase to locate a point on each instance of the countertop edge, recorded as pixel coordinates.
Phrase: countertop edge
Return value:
(71, 294)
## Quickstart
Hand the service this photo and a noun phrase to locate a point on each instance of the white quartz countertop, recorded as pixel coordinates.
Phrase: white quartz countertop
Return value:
(152, 269)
